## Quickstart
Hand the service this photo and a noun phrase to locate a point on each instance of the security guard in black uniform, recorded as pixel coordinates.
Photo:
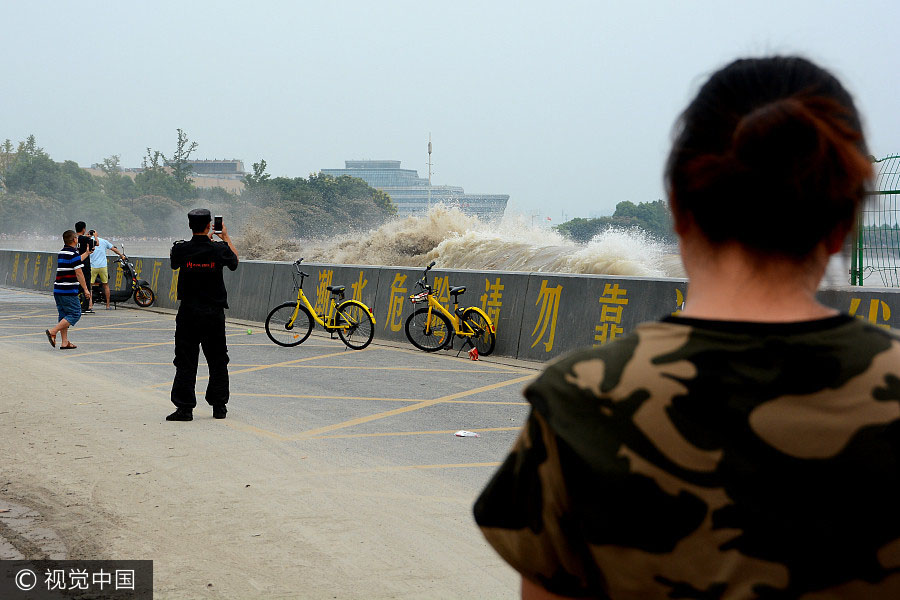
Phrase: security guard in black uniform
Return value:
(201, 315)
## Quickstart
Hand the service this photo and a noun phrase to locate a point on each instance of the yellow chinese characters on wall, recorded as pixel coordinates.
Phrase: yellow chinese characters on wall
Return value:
(441, 291)
(37, 270)
(358, 286)
(395, 307)
(173, 287)
(325, 278)
(877, 313)
(25, 269)
(492, 300)
(15, 269)
(48, 271)
(612, 303)
(548, 298)
(154, 279)
(679, 302)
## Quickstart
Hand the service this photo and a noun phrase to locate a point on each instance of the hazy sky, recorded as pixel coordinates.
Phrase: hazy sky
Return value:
(565, 106)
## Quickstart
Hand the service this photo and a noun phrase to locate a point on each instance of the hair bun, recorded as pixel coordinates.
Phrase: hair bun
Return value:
(767, 144)
(777, 136)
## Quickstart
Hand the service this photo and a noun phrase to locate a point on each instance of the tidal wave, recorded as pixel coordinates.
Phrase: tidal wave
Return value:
(458, 241)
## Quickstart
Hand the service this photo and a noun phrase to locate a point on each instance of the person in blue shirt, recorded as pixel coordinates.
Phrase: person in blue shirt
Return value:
(69, 279)
(98, 264)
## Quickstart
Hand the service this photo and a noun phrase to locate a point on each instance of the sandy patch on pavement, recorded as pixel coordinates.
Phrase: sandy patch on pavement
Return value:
(222, 512)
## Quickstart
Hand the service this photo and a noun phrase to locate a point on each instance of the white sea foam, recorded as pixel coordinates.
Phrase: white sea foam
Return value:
(457, 240)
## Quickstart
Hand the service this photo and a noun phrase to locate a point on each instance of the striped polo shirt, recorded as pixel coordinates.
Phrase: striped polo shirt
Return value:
(68, 261)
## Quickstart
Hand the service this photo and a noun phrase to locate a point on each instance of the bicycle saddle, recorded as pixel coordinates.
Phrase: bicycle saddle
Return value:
(457, 290)
(335, 289)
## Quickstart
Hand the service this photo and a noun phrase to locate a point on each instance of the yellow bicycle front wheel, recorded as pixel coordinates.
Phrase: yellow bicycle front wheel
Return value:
(428, 334)
(284, 328)
(484, 337)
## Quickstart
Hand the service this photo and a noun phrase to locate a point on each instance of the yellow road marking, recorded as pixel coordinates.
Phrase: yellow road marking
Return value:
(405, 409)
(256, 430)
(32, 315)
(137, 347)
(426, 369)
(486, 402)
(274, 346)
(314, 397)
(82, 354)
(462, 359)
(396, 433)
(259, 368)
(376, 398)
(110, 326)
(390, 469)
(128, 362)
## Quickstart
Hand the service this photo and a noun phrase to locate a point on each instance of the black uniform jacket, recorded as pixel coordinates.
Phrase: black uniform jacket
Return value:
(200, 261)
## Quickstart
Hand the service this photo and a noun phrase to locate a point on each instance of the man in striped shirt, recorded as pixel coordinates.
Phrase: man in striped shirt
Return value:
(69, 277)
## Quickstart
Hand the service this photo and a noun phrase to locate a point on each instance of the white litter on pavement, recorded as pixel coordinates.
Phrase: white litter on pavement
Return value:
(464, 433)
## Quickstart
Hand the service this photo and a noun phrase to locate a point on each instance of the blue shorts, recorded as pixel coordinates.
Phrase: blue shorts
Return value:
(69, 307)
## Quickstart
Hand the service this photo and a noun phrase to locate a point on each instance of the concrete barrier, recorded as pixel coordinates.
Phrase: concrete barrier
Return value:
(538, 315)
(499, 294)
(879, 306)
(565, 312)
(5, 259)
(249, 288)
(360, 283)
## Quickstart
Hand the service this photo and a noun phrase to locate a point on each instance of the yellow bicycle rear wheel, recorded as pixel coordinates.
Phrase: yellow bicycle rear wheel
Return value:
(355, 322)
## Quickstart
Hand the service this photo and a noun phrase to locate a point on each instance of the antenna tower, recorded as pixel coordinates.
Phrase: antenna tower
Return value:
(429, 172)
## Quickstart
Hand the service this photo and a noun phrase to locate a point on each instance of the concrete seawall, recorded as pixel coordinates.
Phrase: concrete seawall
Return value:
(538, 315)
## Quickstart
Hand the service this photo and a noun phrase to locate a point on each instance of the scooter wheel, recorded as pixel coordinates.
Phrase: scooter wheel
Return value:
(144, 296)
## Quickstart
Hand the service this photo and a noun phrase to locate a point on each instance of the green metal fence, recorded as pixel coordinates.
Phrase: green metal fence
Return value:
(875, 260)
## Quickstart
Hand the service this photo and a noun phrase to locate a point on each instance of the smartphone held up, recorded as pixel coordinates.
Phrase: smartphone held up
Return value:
(217, 224)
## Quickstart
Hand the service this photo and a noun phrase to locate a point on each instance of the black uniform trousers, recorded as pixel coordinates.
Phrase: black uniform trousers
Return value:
(197, 326)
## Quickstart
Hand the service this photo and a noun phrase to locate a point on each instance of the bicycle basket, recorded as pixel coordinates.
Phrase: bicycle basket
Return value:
(420, 297)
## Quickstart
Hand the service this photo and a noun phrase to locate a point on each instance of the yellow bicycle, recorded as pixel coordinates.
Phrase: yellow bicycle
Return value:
(433, 327)
(289, 324)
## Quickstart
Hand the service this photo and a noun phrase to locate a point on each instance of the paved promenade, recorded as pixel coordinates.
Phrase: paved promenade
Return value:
(335, 475)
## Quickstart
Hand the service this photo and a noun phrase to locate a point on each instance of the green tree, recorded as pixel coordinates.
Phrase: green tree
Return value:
(114, 183)
(259, 175)
(159, 214)
(26, 212)
(8, 156)
(181, 170)
(162, 176)
(652, 217)
(319, 205)
(108, 216)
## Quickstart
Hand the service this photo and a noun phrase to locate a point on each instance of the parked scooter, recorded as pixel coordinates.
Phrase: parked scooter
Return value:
(139, 289)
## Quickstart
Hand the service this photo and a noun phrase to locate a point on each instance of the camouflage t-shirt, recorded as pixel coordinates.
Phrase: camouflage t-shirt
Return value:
(707, 459)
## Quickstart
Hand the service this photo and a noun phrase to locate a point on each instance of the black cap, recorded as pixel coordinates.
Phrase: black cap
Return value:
(199, 216)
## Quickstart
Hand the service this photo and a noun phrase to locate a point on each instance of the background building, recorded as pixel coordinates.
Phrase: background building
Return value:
(227, 174)
(410, 192)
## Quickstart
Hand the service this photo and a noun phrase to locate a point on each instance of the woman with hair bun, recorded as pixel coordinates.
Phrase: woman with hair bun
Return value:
(750, 446)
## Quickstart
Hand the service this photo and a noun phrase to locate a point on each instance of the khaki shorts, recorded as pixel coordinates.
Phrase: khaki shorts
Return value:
(100, 272)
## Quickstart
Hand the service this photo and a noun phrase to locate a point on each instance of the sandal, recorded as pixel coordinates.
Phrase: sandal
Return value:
(51, 337)
(71, 346)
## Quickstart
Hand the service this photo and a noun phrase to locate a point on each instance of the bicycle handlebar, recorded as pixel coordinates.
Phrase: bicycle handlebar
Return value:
(297, 267)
